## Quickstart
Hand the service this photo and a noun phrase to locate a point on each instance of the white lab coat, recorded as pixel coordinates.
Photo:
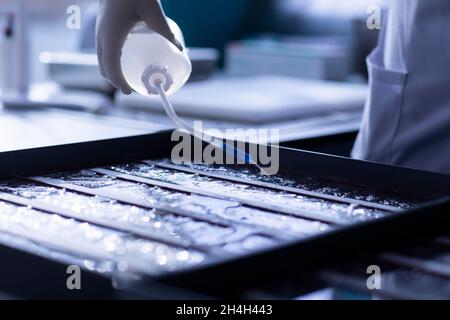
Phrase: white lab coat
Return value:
(407, 116)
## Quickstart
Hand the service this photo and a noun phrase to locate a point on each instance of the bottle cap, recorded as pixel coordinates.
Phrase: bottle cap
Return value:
(154, 75)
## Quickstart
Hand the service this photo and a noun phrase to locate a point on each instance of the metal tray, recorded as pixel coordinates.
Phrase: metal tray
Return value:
(27, 274)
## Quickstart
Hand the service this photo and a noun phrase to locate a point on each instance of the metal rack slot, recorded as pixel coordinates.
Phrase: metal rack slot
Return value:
(243, 201)
(48, 208)
(271, 233)
(272, 186)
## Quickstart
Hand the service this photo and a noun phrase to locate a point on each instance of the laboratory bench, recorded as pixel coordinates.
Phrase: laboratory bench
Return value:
(331, 132)
(102, 193)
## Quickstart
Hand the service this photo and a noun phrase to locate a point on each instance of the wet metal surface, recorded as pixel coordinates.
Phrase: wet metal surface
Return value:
(154, 216)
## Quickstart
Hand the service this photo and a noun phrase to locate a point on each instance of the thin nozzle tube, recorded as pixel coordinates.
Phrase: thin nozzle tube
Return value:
(181, 124)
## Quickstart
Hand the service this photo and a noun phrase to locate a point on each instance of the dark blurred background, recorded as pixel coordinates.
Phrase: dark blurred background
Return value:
(208, 23)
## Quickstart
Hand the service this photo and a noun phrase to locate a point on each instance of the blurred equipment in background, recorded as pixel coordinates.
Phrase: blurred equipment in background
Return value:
(16, 52)
(207, 23)
(204, 63)
(6, 54)
(318, 18)
(258, 99)
(74, 70)
(80, 70)
(21, 92)
(320, 57)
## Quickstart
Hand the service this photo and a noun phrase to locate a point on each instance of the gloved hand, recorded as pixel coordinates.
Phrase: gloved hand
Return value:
(115, 20)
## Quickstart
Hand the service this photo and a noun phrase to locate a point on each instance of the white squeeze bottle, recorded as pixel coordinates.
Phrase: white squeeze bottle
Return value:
(149, 58)
(152, 65)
